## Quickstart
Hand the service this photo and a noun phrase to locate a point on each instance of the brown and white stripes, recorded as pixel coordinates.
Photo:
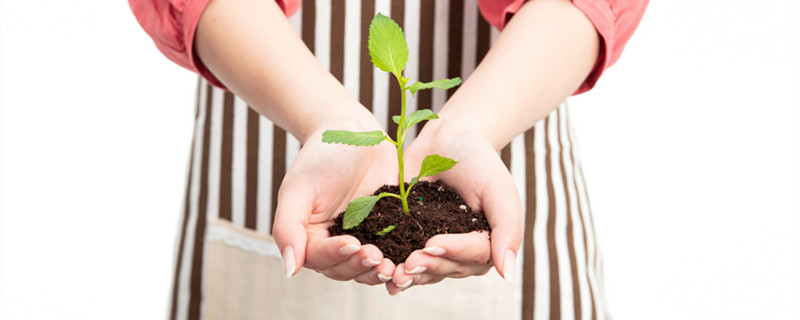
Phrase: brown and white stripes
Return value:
(238, 158)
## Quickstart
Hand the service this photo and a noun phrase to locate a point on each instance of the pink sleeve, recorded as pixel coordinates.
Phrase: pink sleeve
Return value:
(172, 23)
(615, 21)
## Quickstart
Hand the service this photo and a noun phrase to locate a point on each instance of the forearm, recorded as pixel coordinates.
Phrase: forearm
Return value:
(251, 47)
(541, 57)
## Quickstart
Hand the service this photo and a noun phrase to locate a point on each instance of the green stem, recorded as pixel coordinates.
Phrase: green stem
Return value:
(390, 140)
(410, 185)
(387, 194)
(400, 138)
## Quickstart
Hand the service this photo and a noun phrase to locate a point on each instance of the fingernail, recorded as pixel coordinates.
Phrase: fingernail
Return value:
(417, 270)
(405, 285)
(288, 262)
(434, 251)
(369, 263)
(349, 249)
(384, 278)
(509, 266)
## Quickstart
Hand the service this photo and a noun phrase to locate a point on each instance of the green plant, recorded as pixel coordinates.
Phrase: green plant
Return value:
(389, 52)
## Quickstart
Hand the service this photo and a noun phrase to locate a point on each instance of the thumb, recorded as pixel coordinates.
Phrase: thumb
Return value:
(503, 208)
(289, 225)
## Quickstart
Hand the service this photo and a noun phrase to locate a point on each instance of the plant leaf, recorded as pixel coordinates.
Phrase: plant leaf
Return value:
(416, 117)
(414, 181)
(387, 45)
(434, 164)
(386, 230)
(358, 210)
(419, 116)
(368, 138)
(438, 84)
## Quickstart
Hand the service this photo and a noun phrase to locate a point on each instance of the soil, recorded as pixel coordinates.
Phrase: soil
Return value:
(434, 209)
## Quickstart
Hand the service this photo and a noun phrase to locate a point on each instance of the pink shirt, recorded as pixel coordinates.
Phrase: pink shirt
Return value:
(172, 24)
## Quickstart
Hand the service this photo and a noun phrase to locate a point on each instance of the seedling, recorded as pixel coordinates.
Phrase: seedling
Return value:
(389, 52)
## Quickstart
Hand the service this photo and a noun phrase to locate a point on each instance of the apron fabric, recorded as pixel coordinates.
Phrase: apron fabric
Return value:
(227, 264)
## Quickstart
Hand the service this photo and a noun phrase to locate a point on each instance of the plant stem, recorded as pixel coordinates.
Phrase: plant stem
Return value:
(400, 138)
(387, 194)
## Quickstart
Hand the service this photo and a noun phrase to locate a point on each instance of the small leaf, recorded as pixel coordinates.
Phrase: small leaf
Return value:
(434, 164)
(387, 45)
(386, 230)
(438, 84)
(368, 138)
(416, 117)
(419, 116)
(358, 210)
(414, 180)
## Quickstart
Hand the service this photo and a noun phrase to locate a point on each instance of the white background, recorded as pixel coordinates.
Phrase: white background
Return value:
(691, 147)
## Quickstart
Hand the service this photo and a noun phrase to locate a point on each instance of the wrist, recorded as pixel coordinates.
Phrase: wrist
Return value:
(337, 115)
(448, 131)
(458, 123)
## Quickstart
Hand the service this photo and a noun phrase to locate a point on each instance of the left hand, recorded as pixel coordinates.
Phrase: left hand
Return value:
(322, 180)
(485, 184)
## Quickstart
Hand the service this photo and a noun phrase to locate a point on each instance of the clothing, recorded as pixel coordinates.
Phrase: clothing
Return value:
(228, 266)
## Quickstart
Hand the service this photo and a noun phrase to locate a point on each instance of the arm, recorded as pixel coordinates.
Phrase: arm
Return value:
(250, 47)
(544, 54)
(614, 20)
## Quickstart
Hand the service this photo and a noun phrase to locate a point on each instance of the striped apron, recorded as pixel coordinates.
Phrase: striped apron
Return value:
(227, 265)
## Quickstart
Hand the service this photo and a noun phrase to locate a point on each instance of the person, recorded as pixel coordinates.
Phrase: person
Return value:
(263, 76)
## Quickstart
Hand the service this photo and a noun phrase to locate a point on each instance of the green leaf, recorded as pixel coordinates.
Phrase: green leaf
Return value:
(434, 164)
(386, 230)
(368, 138)
(438, 84)
(416, 117)
(387, 45)
(419, 116)
(414, 181)
(358, 210)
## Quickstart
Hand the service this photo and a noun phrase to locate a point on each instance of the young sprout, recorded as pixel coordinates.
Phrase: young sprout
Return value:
(389, 52)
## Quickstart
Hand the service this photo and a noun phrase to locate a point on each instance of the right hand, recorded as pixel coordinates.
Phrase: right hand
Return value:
(320, 183)
(484, 183)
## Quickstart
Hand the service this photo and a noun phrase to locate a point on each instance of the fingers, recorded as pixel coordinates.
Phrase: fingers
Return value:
(378, 275)
(323, 252)
(289, 228)
(503, 209)
(469, 248)
(363, 260)
(433, 270)
(402, 281)
(445, 256)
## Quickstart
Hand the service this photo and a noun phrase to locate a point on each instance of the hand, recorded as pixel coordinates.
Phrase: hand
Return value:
(483, 181)
(323, 179)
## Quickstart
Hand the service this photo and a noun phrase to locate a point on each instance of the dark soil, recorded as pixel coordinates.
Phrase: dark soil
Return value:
(434, 209)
